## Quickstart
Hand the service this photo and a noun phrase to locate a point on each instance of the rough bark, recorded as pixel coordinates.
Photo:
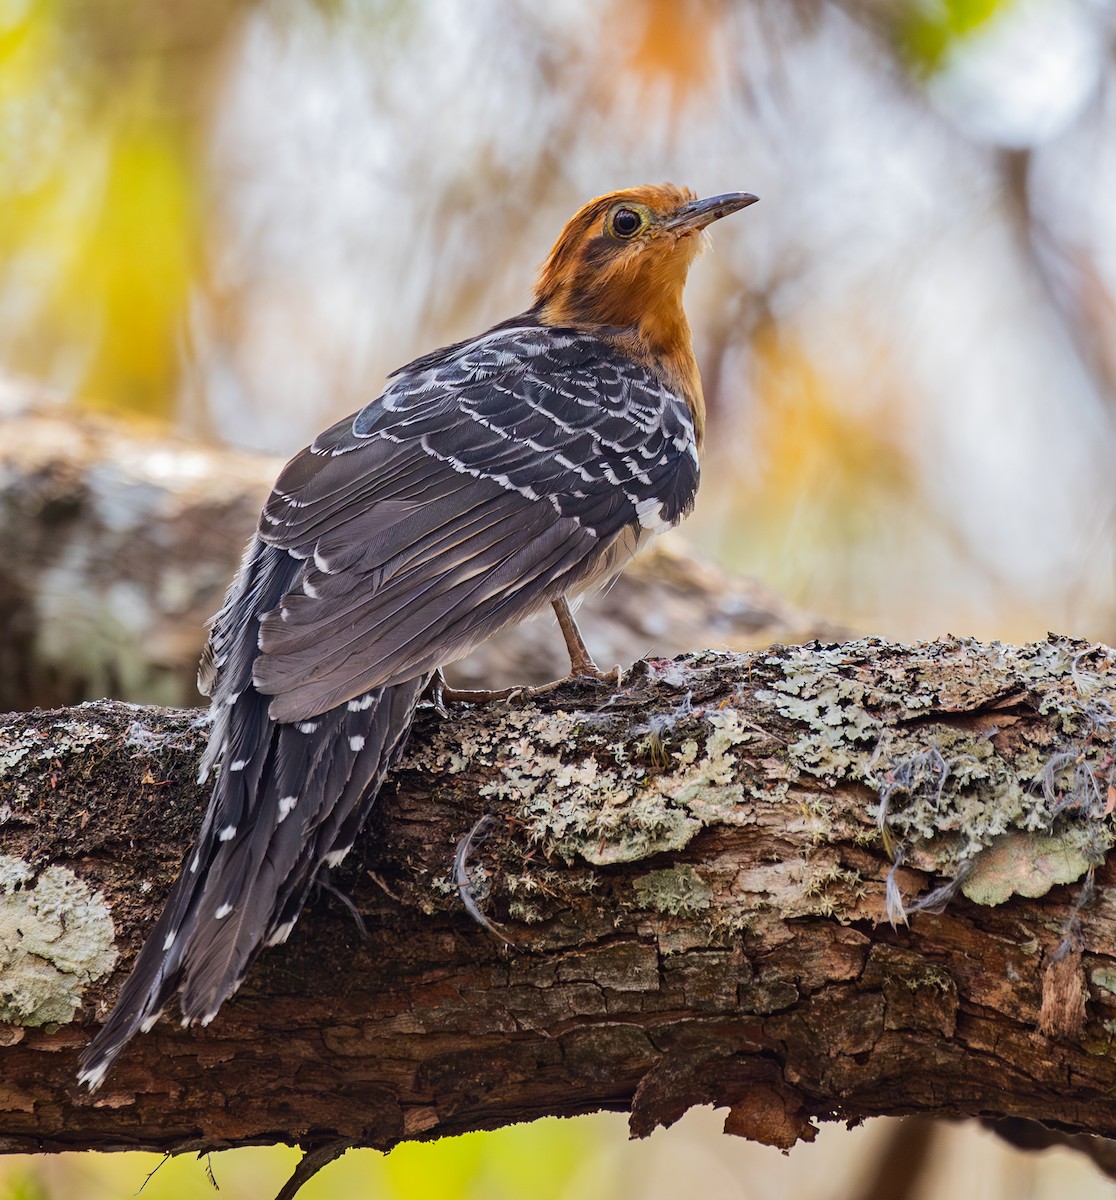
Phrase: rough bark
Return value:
(696, 872)
(119, 543)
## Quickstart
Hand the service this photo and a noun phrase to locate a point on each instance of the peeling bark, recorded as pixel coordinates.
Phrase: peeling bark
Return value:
(696, 872)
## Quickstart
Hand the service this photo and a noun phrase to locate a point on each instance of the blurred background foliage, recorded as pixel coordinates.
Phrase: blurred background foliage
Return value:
(238, 217)
(235, 218)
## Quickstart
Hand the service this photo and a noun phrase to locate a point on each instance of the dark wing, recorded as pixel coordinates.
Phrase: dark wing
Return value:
(487, 479)
(483, 483)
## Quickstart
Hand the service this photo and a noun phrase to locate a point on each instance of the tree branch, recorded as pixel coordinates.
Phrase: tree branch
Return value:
(692, 871)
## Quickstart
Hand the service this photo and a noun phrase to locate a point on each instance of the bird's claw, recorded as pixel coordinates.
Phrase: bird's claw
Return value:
(438, 694)
(435, 694)
(613, 678)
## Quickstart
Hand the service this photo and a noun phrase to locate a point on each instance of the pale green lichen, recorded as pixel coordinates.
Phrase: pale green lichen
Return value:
(675, 891)
(957, 785)
(615, 800)
(1104, 978)
(29, 747)
(945, 790)
(24, 751)
(1027, 864)
(831, 708)
(56, 937)
(609, 811)
(924, 736)
(916, 977)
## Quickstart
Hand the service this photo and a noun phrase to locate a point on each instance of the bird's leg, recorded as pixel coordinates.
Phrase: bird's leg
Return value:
(582, 666)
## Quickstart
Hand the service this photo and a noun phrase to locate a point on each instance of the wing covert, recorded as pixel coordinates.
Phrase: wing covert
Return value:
(484, 482)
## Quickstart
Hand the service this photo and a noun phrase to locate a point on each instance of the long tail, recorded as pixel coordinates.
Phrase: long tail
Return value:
(288, 799)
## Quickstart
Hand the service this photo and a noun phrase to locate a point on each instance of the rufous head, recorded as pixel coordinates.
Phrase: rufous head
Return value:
(623, 258)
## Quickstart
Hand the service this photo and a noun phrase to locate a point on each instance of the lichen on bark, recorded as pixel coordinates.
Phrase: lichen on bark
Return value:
(56, 937)
(695, 870)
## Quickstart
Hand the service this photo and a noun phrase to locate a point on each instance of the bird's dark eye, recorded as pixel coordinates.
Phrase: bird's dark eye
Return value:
(626, 222)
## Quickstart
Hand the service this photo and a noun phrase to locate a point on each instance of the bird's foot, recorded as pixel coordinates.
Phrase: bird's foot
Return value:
(586, 674)
(435, 693)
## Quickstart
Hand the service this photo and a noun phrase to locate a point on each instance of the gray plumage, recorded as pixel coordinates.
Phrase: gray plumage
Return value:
(487, 480)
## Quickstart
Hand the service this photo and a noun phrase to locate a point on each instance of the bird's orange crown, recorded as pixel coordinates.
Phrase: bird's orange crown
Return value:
(620, 266)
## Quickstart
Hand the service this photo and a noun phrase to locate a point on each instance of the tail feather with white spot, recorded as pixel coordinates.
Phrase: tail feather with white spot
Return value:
(296, 801)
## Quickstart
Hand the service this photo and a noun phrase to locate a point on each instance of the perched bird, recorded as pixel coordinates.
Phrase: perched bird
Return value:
(488, 480)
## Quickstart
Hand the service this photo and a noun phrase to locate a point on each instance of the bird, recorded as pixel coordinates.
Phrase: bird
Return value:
(489, 479)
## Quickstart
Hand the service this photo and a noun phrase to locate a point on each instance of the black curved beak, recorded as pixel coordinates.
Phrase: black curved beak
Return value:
(699, 213)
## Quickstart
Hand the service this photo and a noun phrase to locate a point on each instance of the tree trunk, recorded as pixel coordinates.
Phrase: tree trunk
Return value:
(696, 874)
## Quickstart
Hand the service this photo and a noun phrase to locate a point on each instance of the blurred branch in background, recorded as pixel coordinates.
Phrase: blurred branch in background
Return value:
(119, 545)
(241, 217)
